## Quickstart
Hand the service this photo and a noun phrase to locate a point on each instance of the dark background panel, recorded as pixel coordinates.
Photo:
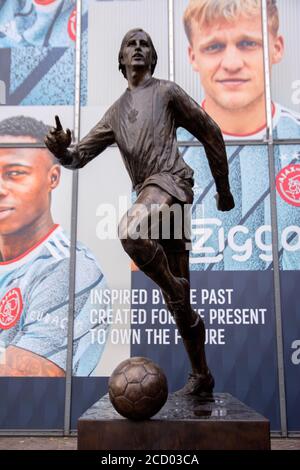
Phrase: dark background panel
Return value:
(32, 403)
(246, 365)
(290, 282)
(85, 392)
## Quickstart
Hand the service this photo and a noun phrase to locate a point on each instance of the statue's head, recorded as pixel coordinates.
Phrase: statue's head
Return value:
(137, 49)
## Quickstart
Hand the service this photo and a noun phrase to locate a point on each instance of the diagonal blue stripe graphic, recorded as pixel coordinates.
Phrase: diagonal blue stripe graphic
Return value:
(36, 75)
(211, 183)
(280, 252)
(41, 70)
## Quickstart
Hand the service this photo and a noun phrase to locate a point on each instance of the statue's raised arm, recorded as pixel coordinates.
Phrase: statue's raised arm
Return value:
(78, 155)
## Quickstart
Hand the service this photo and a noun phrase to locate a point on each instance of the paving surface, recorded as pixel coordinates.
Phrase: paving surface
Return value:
(70, 443)
(285, 444)
(38, 443)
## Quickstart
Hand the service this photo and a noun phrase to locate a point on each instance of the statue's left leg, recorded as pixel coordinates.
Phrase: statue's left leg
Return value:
(139, 232)
(191, 328)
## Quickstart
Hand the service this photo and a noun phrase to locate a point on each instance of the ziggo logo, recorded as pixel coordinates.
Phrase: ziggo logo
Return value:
(209, 241)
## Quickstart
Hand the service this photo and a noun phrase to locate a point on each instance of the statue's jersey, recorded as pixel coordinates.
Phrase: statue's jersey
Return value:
(241, 239)
(34, 302)
(143, 123)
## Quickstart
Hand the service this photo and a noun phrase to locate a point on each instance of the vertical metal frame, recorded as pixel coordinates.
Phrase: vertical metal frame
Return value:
(72, 273)
(274, 224)
(171, 40)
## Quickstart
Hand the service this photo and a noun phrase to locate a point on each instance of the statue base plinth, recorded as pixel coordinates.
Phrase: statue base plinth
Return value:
(220, 422)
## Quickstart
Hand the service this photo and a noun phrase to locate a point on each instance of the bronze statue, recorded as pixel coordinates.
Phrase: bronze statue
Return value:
(143, 123)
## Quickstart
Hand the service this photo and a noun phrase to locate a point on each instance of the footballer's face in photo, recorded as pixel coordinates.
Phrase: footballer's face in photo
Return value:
(228, 56)
(27, 177)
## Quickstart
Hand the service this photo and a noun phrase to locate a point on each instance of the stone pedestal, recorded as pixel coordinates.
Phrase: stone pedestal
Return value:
(220, 422)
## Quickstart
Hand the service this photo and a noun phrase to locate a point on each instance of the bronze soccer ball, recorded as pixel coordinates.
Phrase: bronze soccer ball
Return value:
(138, 388)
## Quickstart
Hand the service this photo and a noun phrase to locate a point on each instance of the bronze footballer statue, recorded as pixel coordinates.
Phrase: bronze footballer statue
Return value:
(143, 123)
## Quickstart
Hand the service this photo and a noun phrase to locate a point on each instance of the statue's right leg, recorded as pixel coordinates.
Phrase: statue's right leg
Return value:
(191, 328)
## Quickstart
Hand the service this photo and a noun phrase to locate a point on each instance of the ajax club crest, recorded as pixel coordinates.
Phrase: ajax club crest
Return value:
(11, 306)
(288, 184)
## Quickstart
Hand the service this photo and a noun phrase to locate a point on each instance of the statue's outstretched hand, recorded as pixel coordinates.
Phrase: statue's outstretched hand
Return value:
(225, 201)
(57, 140)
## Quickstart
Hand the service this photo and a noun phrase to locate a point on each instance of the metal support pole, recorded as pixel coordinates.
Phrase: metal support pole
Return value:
(72, 274)
(171, 39)
(274, 225)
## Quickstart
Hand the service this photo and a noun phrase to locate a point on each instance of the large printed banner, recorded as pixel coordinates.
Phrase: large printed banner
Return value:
(219, 61)
(37, 50)
(37, 58)
(288, 210)
(35, 270)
